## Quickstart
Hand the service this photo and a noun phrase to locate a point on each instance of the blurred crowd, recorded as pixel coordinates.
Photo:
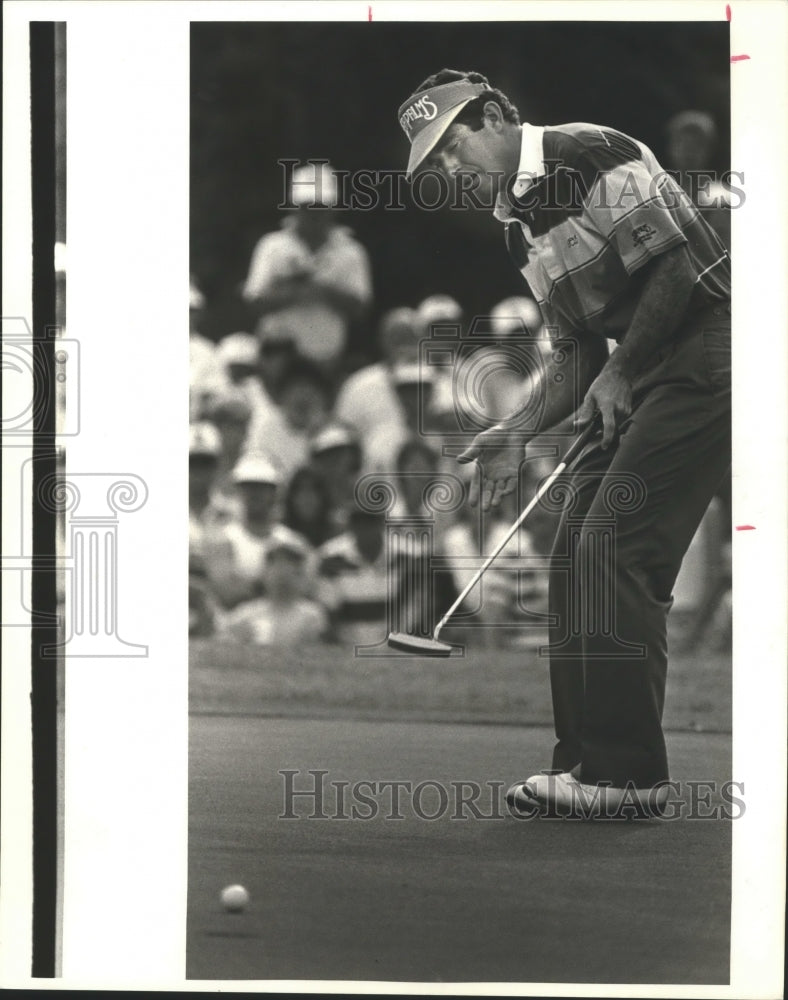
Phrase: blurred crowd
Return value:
(285, 421)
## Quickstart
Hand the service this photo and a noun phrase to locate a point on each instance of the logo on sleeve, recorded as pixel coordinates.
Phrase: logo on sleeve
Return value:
(642, 234)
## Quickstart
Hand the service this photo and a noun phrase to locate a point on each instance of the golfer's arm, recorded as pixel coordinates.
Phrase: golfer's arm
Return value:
(662, 303)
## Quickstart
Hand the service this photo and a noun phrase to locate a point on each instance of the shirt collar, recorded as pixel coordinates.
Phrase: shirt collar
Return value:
(530, 167)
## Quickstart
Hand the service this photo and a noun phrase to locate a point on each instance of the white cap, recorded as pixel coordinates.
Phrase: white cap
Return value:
(439, 309)
(238, 349)
(314, 184)
(332, 436)
(256, 469)
(517, 314)
(411, 374)
(204, 439)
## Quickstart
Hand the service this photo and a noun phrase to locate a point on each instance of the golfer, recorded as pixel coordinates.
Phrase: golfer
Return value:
(610, 247)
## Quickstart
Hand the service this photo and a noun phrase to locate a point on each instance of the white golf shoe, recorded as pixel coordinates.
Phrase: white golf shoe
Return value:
(561, 794)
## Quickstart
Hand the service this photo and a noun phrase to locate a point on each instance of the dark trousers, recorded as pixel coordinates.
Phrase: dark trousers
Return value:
(632, 512)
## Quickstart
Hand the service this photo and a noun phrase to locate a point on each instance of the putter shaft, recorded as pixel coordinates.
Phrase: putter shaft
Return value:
(578, 444)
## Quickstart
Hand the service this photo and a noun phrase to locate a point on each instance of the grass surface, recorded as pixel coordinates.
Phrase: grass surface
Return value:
(498, 686)
(450, 899)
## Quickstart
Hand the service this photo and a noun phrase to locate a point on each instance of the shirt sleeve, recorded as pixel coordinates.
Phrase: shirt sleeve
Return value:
(633, 205)
(358, 279)
(262, 268)
(347, 269)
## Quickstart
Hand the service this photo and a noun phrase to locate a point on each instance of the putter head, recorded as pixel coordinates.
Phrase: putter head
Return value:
(419, 645)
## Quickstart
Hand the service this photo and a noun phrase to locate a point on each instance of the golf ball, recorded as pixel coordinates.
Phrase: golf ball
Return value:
(234, 898)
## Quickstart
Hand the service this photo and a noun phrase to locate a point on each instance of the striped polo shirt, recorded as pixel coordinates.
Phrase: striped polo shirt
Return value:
(587, 209)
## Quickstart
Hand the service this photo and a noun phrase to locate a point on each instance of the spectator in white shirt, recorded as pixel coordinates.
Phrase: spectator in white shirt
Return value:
(518, 321)
(238, 354)
(413, 385)
(204, 453)
(312, 272)
(284, 616)
(444, 312)
(283, 435)
(354, 580)
(230, 413)
(367, 400)
(235, 557)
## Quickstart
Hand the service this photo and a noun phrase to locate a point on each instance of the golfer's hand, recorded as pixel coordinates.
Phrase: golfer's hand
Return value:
(499, 457)
(610, 394)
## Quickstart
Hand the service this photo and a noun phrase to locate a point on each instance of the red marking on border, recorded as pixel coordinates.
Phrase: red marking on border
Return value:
(727, 11)
(369, 14)
(738, 58)
(745, 527)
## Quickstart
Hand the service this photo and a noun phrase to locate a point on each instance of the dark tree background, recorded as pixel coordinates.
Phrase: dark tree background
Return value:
(265, 91)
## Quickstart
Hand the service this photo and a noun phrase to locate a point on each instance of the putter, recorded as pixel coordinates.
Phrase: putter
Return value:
(431, 645)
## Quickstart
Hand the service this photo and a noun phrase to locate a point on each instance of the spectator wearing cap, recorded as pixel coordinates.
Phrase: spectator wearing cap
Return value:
(308, 509)
(204, 451)
(367, 400)
(312, 272)
(515, 323)
(354, 580)
(517, 316)
(235, 558)
(691, 145)
(434, 312)
(239, 356)
(413, 385)
(230, 412)
(284, 616)
(283, 435)
(336, 453)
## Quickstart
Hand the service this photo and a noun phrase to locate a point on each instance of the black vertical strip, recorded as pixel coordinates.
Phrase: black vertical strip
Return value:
(44, 596)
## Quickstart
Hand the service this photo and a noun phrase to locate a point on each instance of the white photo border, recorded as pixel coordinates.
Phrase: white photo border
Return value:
(128, 246)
